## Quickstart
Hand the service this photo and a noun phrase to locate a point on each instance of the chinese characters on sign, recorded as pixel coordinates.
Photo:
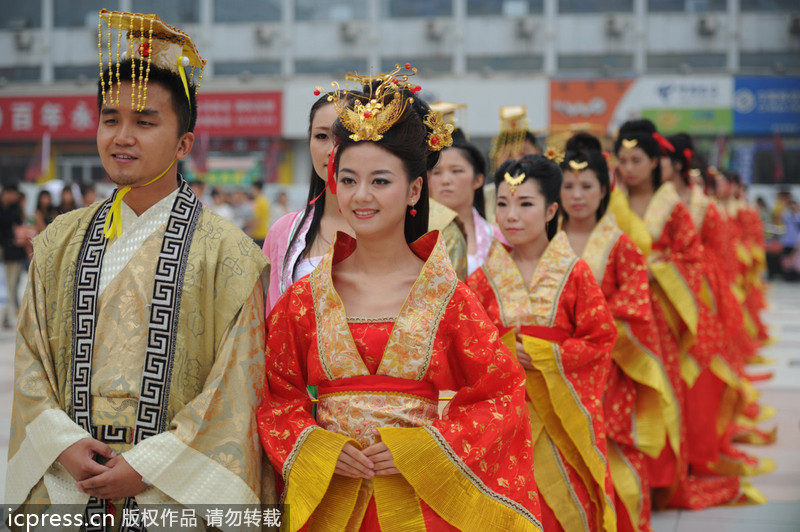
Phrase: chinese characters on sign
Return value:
(255, 114)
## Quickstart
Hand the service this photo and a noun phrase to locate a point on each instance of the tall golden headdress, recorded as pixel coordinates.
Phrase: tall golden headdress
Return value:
(510, 139)
(150, 42)
(451, 113)
(375, 111)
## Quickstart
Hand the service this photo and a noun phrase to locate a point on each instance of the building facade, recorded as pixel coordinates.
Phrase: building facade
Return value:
(726, 70)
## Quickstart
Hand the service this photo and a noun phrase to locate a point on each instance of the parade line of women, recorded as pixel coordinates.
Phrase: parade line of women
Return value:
(596, 353)
(560, 343)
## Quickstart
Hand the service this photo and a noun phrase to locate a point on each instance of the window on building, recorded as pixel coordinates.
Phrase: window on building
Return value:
(686, 63)
(247, 11)
(505, 63)
(174, 12)
(603, 65)
(769, 63)
(426, 67)
(686, 6)
(507, 8)
(80, 13)
(85, 73)
(335, 68)
(769, 5)
(330, 10)
(255, 68)
(21, 73)
(18, 15)
(419, 8)
(579, 7)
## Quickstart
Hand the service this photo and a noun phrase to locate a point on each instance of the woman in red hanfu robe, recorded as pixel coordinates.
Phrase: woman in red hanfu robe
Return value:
(639, 407)
(720, 387)
(686, 329)
(546, 301)
(381, 326)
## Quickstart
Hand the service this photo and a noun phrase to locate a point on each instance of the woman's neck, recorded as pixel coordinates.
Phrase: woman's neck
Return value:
(381, 255)
(582, 227)
(644, 189)
(530, 252)
(465, 215)
(331, 206)
(682, 189)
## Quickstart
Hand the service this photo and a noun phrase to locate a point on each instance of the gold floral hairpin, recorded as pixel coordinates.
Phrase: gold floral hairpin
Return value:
(629, 143)
(441, 134)
(577, 167)
(513, 182)
(554, 154)
(374, 113)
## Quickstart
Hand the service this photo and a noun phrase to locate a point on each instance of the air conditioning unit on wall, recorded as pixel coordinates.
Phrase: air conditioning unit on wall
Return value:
(614, 26)
(794, 25)
(349, 30)
(526, 28)
(707, 25)
(435, 29)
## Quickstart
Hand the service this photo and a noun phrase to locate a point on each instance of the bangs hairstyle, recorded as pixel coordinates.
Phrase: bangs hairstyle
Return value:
(543, 171)
(478, 162)
(642, 131)
(406, 139)
(583, 147)
(186, 110)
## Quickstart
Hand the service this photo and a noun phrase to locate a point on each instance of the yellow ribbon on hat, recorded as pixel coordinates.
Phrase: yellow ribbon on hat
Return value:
(183, 78)
(113, 226)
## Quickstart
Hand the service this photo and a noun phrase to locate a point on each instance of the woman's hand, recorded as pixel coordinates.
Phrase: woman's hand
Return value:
(354, 463)
(523, 357)
(382, 457)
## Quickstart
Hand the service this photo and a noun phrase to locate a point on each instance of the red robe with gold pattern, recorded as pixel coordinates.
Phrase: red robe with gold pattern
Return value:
(683, 320)
(468, 469)
(721, 388)
(564, 324)
(639, 407)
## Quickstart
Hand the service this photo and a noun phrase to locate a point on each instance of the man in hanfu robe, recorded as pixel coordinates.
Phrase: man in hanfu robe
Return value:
(140, 344)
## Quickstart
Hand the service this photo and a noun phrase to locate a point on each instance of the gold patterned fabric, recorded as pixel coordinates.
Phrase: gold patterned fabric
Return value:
(440, 340)
(567, 330)
(216, 377)
(446, 221)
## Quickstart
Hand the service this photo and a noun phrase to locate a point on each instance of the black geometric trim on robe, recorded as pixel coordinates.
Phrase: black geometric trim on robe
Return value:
(161, 335)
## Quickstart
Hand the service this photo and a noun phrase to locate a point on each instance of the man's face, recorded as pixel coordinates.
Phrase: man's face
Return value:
(136, 146)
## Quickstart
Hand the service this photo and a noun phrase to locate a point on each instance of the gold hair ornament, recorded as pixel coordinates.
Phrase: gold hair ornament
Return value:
(629, 143)
(510, 139)
(373, 114)
(441, 134)
(513, 182)
(577, 167)
(695, 172)
(150, 42)
(554, 154)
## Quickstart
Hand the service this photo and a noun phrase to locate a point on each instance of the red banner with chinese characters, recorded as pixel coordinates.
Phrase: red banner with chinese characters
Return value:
(65, 117)
(250, 114)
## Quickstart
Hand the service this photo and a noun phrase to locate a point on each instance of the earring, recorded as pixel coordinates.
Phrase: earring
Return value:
(413, 211)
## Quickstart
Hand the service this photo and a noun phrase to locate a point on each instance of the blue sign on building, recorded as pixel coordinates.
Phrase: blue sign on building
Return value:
(765, 105)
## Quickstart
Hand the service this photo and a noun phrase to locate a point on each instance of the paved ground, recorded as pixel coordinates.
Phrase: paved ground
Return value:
(782, 487)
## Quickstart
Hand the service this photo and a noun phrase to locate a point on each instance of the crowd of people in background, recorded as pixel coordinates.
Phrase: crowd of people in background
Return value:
(17, 229)
(782, 234)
